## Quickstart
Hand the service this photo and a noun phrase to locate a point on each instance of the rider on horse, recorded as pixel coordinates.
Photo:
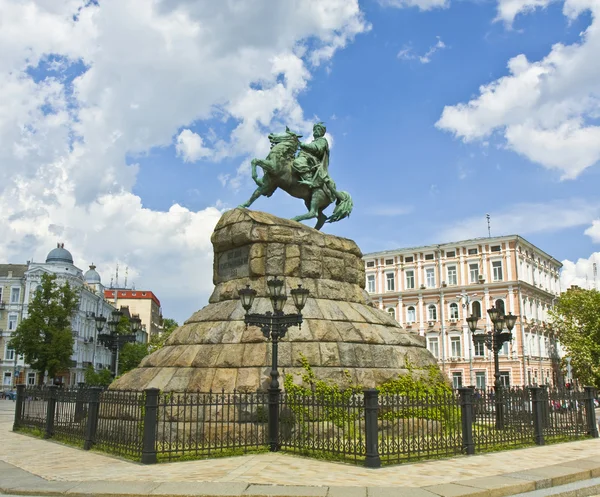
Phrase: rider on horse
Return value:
(312, 163)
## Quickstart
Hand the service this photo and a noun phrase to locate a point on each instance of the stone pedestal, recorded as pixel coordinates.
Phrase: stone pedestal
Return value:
(343, 337)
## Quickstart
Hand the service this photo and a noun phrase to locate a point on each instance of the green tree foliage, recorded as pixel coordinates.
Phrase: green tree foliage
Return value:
(131, 355)
(102, 378)
(576, 318)
(158, 341)
(45, 337)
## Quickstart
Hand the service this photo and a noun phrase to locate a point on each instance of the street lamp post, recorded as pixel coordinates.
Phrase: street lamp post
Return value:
(494, 340)
(115, 340)
(274, 326)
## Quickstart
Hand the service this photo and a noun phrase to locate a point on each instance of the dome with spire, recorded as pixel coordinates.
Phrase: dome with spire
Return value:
(60, 254)
(91, 276)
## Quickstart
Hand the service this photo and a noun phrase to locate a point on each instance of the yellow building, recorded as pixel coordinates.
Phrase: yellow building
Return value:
(12, 295)
(141, 302)
(433, 289)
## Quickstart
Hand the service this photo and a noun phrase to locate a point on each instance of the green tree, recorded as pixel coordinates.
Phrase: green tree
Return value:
(576, 319)
(44, 338)
(102, 378)
(131, 355)
(157, 341)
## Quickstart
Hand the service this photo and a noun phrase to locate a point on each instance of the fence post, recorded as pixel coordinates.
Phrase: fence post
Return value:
(150, 422)
(372, 459)
(545, 410)
(79, 410)
(92, 420)
(590, 411)
(51, 411)
(537, 401)
(19, 406)
(466, 410)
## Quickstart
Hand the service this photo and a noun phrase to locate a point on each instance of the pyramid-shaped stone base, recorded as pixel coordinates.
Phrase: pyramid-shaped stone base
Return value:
(343, 337)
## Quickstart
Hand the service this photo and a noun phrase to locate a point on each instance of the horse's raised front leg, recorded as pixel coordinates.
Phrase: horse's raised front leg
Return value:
(255, 177)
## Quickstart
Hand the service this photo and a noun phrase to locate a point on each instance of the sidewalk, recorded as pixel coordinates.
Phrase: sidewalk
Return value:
(32, 466)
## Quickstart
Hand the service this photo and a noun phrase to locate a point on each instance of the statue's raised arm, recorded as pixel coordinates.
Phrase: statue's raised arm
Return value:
(305, 176)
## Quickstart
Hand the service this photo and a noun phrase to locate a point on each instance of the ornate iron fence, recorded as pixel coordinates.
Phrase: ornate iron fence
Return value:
(362, 427)
(192, 425)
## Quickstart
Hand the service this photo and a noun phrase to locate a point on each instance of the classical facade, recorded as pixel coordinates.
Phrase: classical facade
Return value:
(433, 289)
(141, 302)
(12, 294)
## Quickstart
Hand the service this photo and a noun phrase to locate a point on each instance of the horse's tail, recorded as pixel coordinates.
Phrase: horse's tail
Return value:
(343, 207)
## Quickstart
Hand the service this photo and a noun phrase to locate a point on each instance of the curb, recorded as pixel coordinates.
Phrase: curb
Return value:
(577, 478)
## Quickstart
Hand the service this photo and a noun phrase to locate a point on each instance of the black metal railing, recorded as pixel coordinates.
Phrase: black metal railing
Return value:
(364, 427)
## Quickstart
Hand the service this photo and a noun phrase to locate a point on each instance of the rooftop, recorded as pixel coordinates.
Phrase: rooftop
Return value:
(18, 270)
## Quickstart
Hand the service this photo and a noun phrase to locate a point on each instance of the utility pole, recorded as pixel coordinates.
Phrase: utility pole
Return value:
(487, 216)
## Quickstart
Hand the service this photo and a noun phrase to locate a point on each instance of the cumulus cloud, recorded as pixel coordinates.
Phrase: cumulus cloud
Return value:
(190, 147)
(583, 273)
(546, 110)
(89, 85)
(509, 9)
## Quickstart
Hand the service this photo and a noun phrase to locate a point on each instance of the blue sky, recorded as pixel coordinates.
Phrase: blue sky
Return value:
(439, 112)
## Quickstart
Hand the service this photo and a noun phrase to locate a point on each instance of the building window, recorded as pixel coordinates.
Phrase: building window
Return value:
(12, 322)
(371, 283)
(390, 282)
(15, 294)
(433, 346)
(31, 379)
(480, 380)
(452, 275)
(370, 263)
(453, 311)
(455, 348)
(476, 309)
(410, 279)
(504, 349)
(409, 258)
(497, 270)
(428, 257)
(7, 378)
(479, 348)
(499, 304)
(392, 312)
(430, 277)
(431, 312)
(472, 251)
(474, 272)
(389, 262)
(505, 378)
(495, 248)
(451, 253)
(457, 379)
(9, 354)
(411, 315)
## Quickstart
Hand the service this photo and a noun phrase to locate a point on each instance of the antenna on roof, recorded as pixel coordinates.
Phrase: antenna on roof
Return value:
(117, 276)
(487, 216)
(126, 274)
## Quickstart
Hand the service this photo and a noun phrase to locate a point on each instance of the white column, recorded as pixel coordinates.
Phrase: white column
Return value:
(400, 312)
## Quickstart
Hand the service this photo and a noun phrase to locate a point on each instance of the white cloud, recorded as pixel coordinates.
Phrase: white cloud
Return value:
(546, 110)
(509, 9)
(146, 72)
(190, 147)
(524, 219)
(407, 53)
(583, 273)
(594, 231)
(421, 4)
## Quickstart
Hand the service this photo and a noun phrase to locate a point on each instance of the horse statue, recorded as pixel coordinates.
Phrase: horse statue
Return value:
(304, 176)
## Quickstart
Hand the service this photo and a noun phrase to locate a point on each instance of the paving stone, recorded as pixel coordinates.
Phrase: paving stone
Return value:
(286, 491)
(560, 475)
(347, 492)
(205, 488)
(113, 488)
(456, 490)
(398, 492)
(500, 486)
